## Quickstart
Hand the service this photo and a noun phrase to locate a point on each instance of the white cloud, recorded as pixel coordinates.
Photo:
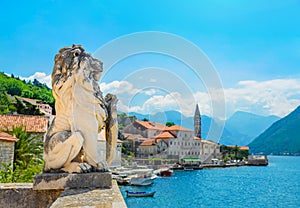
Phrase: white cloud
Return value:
(273, 97)
(41, 77)
(118, 87)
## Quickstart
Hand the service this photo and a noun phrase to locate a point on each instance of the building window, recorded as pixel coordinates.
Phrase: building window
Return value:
(170, 142)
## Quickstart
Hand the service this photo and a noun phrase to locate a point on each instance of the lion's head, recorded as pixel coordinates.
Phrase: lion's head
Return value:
(72, 58)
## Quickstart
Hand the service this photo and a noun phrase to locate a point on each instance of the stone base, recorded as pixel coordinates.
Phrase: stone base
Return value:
(79, 198)
(61, 181)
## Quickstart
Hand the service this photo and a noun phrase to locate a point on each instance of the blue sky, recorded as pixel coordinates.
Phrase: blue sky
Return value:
(254, 46)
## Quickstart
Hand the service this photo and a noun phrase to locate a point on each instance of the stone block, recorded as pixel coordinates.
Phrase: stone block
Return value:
(106, 198)
(48, 181)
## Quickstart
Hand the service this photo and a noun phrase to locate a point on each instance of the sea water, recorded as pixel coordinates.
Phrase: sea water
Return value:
(275, 185)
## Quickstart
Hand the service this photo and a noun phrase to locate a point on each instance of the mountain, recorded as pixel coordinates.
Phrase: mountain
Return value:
(244, 126)
(280, 138)
(241, 121)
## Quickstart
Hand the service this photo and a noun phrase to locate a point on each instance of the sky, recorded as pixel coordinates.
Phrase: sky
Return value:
(227, 56)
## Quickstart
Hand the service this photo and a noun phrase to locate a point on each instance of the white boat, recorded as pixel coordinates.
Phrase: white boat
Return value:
(141, 181)
(145, 179)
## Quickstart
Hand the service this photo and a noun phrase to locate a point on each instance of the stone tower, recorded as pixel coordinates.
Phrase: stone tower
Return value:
(197, 122)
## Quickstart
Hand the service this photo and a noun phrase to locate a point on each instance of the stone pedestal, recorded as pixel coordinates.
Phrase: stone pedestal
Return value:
(49, 181)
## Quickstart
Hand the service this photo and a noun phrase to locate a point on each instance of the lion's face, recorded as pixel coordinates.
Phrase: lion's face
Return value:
(72, 58)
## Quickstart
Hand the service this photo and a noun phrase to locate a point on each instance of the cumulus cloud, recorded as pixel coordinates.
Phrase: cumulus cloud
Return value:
(118, 87)
(272, 97)
(41, 77)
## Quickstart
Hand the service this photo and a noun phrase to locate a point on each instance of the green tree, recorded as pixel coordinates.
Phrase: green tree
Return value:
(168, 123)
(145, 119)
(4, 102)
(28, 158)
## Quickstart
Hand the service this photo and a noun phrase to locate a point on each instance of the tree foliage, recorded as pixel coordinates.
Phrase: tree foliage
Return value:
(15, 87)
(28, 158)
(169, 123)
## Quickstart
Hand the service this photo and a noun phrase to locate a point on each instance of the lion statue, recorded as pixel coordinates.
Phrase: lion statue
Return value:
(82, 114)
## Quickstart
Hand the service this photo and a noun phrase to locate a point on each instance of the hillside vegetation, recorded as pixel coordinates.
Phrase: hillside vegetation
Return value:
(11, 87)
(283, 137)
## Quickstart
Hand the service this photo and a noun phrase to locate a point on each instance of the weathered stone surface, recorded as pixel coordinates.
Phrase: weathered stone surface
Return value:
(22, 195)
(106, 198)
(81, 114)
(48, 181)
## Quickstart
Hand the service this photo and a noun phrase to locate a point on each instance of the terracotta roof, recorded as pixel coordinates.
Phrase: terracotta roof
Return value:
(197, 138)
(240, 147)
(151, 125)
(208, 141)
(7, 137)
(132, 136)
(38, 124)
(177, 128)
(165, 135)
(119, 141)
(148, 142)
(164, 140)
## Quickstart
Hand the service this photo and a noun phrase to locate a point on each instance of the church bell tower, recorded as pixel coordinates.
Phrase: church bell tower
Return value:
(197, 122)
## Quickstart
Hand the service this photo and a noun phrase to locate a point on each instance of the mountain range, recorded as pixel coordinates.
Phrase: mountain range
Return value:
(240, 129)
(282, 137)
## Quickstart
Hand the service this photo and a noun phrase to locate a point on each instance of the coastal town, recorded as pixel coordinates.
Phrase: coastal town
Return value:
(143, 147)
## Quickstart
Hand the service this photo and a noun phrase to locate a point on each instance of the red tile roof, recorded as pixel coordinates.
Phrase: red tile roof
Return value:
(148, 142)
(151, 125)
(131, 136)
(197, 138)
(7, 137)
(165, 135)
(177, 128)
(38, 124)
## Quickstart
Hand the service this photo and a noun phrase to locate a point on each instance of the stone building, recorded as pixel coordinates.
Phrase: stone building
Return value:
(7, 148)
(174, 142)
(184, 145)
(147, 148)
(210, 150)
(145, 128)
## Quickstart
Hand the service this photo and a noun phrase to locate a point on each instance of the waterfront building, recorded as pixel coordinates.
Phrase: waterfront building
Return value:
(147, 148)
(184, 144)
(132, 142)
(174, 142)
(210, 150)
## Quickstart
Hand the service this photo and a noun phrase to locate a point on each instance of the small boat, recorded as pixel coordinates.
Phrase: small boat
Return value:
(140, 194)
(141, 181)
(164, 172)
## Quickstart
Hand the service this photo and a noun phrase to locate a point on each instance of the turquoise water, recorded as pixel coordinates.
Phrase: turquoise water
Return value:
(276, 185)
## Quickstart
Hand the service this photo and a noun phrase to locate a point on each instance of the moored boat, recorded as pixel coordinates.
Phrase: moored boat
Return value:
(140, 194)
(141, 181)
